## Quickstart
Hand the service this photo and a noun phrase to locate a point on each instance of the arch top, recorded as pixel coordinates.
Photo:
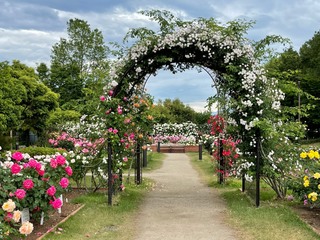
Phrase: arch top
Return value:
(190, 45)
(202, 43)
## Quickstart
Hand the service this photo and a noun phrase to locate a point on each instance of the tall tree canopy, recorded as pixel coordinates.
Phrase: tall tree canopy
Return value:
(25, 102)
(78, 66)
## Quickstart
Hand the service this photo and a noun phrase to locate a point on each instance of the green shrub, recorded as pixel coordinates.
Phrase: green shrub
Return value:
(33, 151)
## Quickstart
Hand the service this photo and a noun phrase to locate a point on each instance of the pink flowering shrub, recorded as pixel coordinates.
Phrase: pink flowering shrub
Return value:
(26, 182)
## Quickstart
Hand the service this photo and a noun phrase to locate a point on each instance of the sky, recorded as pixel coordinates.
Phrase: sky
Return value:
(29, 29)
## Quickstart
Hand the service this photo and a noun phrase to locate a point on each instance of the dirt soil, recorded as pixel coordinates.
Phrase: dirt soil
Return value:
(310, 216)
(50, 224)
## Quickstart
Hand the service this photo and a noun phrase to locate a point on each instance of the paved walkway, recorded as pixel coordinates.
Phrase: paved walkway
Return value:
(181, 207)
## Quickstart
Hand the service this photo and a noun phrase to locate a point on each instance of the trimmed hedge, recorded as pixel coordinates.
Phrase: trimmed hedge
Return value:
(33, 151)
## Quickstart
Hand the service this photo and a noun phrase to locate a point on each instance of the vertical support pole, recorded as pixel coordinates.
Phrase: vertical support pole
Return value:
(258, 168)
(138, 164)
(221, 162)
(200, 151)
(158, 148)
(243, 187)
(110, 177)
(144, 158)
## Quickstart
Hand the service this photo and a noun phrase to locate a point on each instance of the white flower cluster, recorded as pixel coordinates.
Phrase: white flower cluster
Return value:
(186, 129)
(197, 40)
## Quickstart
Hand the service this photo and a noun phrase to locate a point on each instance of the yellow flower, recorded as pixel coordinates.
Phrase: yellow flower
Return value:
(26, 228)
(313, 196)
(9, 206)
(316, 175)
(16, 216)
(303, 155)
(318, 186)
(305, 178)
(316, 155)
(311, 154)
(306, 183)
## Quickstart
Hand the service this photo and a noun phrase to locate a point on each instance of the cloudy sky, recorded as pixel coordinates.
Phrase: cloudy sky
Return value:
(29, 28)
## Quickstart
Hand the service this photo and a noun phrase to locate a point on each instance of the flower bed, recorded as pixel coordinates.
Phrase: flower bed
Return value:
(30, 188)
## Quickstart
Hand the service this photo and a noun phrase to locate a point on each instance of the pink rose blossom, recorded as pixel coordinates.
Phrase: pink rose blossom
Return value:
(102, 98)
(108, 111)
(85, 150)
(127, 120)
(131, 136)
(110, 129)
(32, 163)
(57, 203)
(61, 160)
(53, 163)
(125, 159)
(40, 172)
(51, 191)
(28, 184)
(8, 217)
(115, 131)
(17, 156)
(20, 193)
(64, 182)
(119, 110)
(15, 168)
(68, 170)
(110, 93)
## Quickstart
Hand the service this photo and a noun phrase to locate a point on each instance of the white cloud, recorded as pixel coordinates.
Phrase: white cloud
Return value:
(28, 46)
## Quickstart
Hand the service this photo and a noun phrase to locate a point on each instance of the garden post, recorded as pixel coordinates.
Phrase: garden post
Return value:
(138, 164)
(200, 151)
(144, 158)
(110, 184)
(243, 187)
(158, 148)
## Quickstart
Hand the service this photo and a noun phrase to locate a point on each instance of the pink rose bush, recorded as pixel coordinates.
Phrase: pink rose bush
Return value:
(31, 183)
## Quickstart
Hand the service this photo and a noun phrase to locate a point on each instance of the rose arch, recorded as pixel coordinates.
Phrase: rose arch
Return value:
(252, 98)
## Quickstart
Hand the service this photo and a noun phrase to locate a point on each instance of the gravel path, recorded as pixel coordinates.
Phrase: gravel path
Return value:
(181, 207)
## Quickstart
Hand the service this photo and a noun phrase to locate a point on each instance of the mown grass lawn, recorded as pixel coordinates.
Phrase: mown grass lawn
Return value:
(273, 220)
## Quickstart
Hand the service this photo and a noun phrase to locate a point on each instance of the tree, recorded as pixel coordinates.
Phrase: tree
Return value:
(175, 111)
(310, 67)
(78, 65)
(11, 95)
(25, 102)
